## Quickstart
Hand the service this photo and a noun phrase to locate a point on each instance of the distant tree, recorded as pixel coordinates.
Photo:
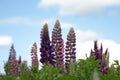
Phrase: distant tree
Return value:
(46, 49)
(58, 45)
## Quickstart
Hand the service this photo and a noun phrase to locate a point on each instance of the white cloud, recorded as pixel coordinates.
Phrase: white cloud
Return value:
(31, 22)
(5, 40)
(85, 42)
(51, 22)
(66, 25)
(83, 48)
(79, 7)
(114, 49)
(113, 13)
(87, 35)
(20, 21)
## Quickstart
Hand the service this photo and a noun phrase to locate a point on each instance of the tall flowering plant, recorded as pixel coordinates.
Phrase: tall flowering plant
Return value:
(70, 54)
(13, 63)
(34, 56)
(46, 49)
(12, 53)
(103, 57)
(14, 67)
(58, 45)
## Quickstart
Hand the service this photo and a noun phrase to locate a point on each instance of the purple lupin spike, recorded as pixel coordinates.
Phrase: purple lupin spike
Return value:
(57, 44)
(98, 53)
(34, 56)
(46, 49)
(70, 54)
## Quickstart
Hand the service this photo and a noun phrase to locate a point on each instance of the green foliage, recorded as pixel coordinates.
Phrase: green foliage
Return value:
(25, 73)
(49, 72)
(95, 75)
(85, 68)
(71, 68)
(68, 77)
(7, 68)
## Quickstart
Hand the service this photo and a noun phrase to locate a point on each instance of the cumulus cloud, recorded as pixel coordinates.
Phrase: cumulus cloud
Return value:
(114, 49)
(87, 35)
(5, 40)
(20, 21)
(66, 25)
(113, 13)
(31, 22)
(51, 21)
(79, 7)
(86, 43)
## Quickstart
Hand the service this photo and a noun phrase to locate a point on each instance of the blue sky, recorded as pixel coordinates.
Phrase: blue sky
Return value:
(21, 22)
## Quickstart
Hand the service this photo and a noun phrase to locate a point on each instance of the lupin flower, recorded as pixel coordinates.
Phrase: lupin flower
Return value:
(58, 45)
(70, 55)
(104, 66)
(98, 52)
(12, 53)
(13, 63)
(34, 56)
(19, 62)
(19, 59)
(104, 58)
(46, 49)
(14, 67)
